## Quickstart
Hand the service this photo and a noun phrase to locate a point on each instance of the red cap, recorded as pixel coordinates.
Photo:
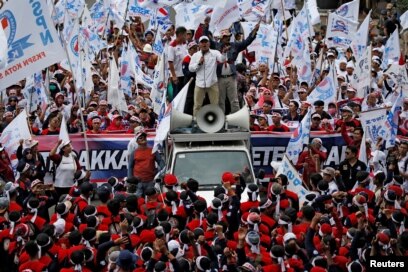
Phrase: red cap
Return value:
(318, 269)
(147, 236)
(170, 180)
(228, 177)
(326, 229)
(383, 238)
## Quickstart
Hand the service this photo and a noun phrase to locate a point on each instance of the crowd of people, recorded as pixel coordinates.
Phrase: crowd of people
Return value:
(355, 210)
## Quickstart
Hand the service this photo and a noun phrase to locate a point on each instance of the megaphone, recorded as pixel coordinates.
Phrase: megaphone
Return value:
(210, 118)
(239, 118)
(179, 119)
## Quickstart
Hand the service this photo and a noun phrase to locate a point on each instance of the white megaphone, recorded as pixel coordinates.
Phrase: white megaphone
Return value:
(179, 119)
(210, 118)
(239, 119)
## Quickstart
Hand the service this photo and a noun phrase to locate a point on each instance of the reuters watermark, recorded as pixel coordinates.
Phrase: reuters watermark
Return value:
(394, 263)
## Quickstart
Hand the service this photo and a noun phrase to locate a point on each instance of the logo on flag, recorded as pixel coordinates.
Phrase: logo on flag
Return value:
(297, 134)
(74, 45)
(340, 26)
(343, 10)
(16, 48)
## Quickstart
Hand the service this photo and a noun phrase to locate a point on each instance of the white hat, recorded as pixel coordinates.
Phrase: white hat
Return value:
(203, 38)
(289, 236)
(148, 48)
(350, 64)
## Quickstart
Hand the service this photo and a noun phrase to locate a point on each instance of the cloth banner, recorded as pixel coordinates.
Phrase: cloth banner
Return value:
(29, 48)
(299, 138)
(340, 31)
(349, 10)
(12, 134)
(373, 123)
(294, 180)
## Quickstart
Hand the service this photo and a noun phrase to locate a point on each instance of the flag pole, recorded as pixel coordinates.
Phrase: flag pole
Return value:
(81, 113)
(284, 20)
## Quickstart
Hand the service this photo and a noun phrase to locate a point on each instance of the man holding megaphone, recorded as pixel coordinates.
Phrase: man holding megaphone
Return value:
(204, 64)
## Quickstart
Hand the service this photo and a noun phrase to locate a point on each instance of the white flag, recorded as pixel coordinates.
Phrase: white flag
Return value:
(373, 123)
(340, 31)
(392, 51)
(32, 40)
(115, 97)
(3, 49)
(362, 155)
(363, 74)
(178, 103)
(34, 92)
(359, 43)
(349, 10)
(299, 138)
(404, 20)
(264, 44)
(190, 15)
(398, 75)
(325, 91)
(223, 18)
(314, 14)
(294, 180)
(159, 86)
(10, 138)
(63, 134)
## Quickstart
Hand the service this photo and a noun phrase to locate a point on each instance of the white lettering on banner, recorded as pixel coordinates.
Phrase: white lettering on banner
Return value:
(263, 156)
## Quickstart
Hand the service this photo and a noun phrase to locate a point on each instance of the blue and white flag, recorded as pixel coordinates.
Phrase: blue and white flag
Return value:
(392, 121)
(341, 31)
(3, 49)
(136, 69)
(58, 14)
(74, 8)
(373, 123)
(325, 91)
(124, 68)
(136, 10)
(223, 18)
(363, 73)
(294, 180)
(32, 41)
(299, 138)
(34, 92)
(11, 135)
(349, 10)
(116, 97)
(265, 45)
(72, 49)
(314, 15)
(157, 46)
(392, 51)
(190, 15)
(159, 85)
(359, 43)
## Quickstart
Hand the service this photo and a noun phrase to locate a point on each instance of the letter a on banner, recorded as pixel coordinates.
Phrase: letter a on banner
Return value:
(32, 40)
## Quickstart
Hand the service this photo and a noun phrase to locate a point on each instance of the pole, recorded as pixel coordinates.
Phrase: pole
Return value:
(81, 113)
(284, 20)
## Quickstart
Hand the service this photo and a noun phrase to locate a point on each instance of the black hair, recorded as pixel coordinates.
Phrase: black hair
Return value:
(352, 148)
(181, 30)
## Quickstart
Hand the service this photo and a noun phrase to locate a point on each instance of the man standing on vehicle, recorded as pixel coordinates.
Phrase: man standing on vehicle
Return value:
(204, 64)
(226, 70)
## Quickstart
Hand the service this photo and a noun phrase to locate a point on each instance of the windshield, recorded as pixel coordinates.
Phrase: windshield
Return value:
(207, 166)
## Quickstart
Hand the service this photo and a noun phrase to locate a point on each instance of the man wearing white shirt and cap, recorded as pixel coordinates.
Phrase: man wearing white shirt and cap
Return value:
(204, 64)
(351, 77)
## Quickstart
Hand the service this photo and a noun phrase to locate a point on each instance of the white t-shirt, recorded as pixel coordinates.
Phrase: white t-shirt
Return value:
(177, 52)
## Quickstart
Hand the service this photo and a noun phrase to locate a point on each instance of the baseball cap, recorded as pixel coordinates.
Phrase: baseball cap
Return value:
(192, 44)
(202, 38)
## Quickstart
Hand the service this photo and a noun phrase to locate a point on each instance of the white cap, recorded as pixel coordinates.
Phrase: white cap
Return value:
(148, 48)
(203, 38)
